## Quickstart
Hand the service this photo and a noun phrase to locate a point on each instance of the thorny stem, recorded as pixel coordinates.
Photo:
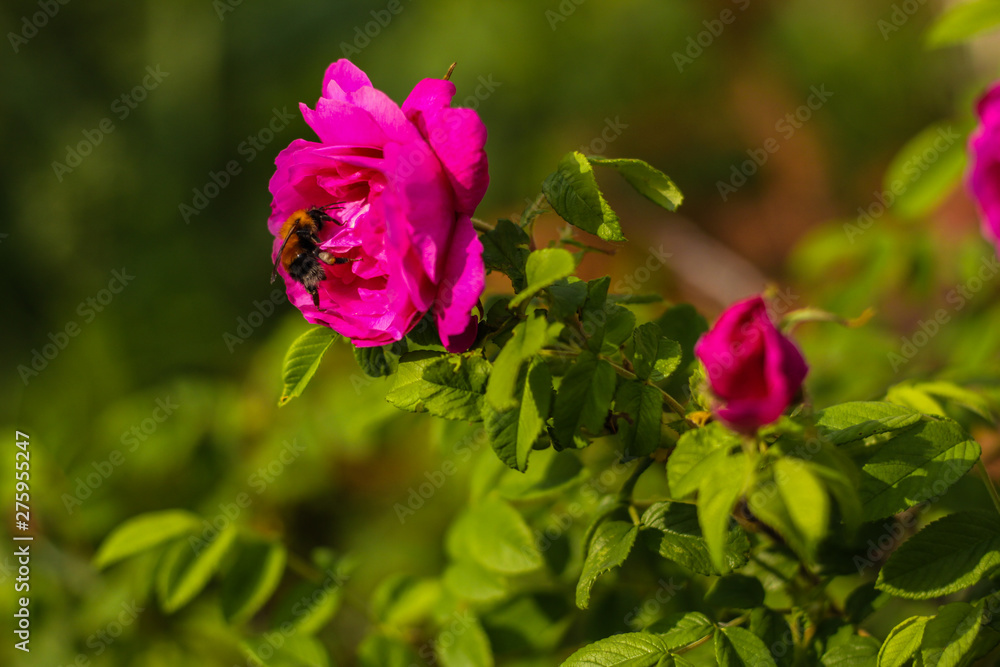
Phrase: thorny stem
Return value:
(989, 483)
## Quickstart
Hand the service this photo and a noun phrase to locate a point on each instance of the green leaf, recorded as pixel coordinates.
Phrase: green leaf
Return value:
(294, 651)
(403, 600)
(566, 297)
(380, 361)
(513, 433)
(903, 642)
(925, 170)
(640, 432)
(863, 602)
(618, 329)
(187, 566)
(505, 249)
(583, 398)
(774, 631)
(251, 579)
(646, 179)
(529, 337)
(594, 315)
(964, 21)
(465, 647)
(736, 647)
(573, 193)
(302, 360)
(611, 545)
(544, 267)
(384, 651)
(407, 391)
(654, 356)
(805, 497)
(966, 398)
(856, 651)
(551, 475)
(309, 606)
(467, 580)
(143, 532)
(689, 463)
(683, 628)
(735, 591)
(453, 387)
(717, 494)
(494, 535)
(677, 536)
(902, 467)
(949, 635)
(634, 649)
(948, 555)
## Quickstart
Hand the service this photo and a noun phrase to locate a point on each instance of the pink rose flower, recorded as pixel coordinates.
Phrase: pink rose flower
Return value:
(753, 369)
(407, 181)
(984, 172)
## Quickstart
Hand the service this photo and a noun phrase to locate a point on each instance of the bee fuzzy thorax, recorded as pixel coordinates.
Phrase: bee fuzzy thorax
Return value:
(300, 254)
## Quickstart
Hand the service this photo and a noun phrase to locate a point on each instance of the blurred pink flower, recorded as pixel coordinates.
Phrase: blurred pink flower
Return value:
(407, 181)
(753, 369)
(984, 171)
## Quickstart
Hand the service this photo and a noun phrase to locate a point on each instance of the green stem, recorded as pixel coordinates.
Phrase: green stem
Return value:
(482, 225)
(667, 398)
(989, 483)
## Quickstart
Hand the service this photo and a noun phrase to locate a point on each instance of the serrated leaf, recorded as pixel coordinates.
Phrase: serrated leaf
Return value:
(187, 566)
(683, 628)
(612, 542)
(640, 432)
(903, 642)
(677, 536)
(594, 314)
(453, 387)
(573, 193)
(513, 433)
(688, 464)
(634, 649)
(717, 494)
(505, 249)
(380, 361)
(736, 647)
(528, 339)
(251, 579)
(583, 398)
(407, 391)
(495, 535)
(855, 651)
(774, 631)
(302, 359)
(919, 184)
(964, 21)
(735, 591)
(544, 267)
(143, 532)
(654, 356)
(646, 179)
(618, 329)
(467, 647)
(948, 555)
(950, 634)
(566, 297)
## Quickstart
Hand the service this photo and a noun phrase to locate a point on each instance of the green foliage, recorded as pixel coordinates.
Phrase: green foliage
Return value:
(964, 21)
(608, 548)
(302, 360)
(573, 193)
(648, 181)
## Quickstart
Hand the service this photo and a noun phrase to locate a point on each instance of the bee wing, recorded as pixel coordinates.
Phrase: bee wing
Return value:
(274, 271)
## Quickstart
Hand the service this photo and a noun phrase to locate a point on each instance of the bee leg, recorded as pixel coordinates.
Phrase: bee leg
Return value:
(327, 258)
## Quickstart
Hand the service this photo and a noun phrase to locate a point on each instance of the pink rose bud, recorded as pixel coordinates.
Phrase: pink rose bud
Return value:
(398, 186)
(984, 171)
(753, 369)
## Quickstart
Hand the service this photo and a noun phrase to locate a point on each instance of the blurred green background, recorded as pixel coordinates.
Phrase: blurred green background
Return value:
(196, 327)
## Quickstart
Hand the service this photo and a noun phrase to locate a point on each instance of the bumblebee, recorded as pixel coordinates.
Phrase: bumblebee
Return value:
(299, 253)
